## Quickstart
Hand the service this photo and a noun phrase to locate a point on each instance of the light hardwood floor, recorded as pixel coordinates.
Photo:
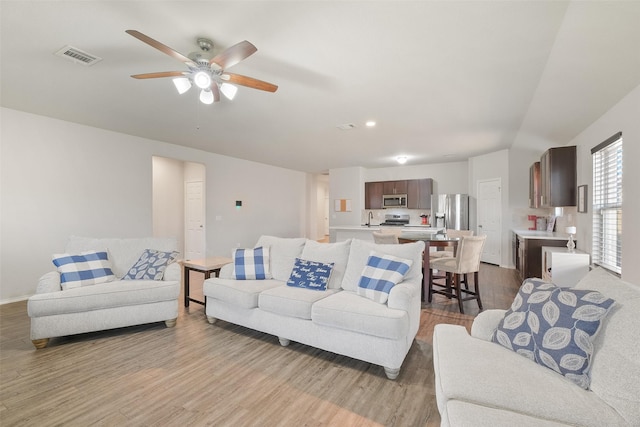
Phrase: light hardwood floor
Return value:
(218, 375)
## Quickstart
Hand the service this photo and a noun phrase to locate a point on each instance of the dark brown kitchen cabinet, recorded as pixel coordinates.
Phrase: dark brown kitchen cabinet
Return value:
(394, 187)
(373, 195)
(419, 193)
(528, 254)
(534, 185)
(558, 177)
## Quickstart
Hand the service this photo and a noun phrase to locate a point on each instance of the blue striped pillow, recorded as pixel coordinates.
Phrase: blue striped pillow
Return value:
(382, 273)
(83, 269)
(251, 264)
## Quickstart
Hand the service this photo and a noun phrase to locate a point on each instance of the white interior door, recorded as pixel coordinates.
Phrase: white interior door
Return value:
(194, 219)
(490, 219)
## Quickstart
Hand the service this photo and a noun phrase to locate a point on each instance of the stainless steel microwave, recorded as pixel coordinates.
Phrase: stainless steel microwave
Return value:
(394, 201)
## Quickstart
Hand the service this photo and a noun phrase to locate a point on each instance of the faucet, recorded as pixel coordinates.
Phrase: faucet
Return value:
(369, 218)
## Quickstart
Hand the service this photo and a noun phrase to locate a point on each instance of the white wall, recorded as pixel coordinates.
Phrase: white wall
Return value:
(346, 183)
(59, 179)
(168, 198)
(623, 117)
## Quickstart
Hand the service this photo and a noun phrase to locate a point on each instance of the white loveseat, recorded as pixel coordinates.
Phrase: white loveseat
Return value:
(337, 319)
(55, 312)
(480, 383)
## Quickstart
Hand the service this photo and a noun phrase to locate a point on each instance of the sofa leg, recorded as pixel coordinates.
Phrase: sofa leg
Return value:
(171, 322)
(392, 374)
(211, 319)
(284, 342)
(41, 343)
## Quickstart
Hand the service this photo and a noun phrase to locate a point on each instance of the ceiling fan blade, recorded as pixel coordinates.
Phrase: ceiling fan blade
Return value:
(161, 47)
(233, 55)
(160, 74)
(216, 92)
(249, 82)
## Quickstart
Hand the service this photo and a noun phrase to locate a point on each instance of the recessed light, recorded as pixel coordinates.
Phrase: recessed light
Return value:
(370, 123)
(402, 159)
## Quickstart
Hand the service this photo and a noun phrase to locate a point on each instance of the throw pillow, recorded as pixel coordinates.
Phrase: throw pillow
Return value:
(251, 264)
(310, 275)
(554, 327)
(381, 273)
(151, 265)
(83, 269)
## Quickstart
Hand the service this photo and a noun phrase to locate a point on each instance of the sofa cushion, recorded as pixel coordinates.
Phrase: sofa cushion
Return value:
(241, 293)
(291, 302)
(310, 275)
(283, 252)
(615, 366)
(554, 327)
(359, 255)
(118, 293)
(381, 273)
(485, 373)
(83, 269)
(123, 253)
(349, 311)
(336, 253)
(251, 264)
(459, 413)
(151, 265)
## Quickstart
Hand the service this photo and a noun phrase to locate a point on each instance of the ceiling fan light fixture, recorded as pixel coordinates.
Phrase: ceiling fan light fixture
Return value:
(206, 96)
(202, 79)
(228, 90)
(182, 84)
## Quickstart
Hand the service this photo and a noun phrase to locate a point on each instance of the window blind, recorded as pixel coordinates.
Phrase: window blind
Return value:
(607, 203)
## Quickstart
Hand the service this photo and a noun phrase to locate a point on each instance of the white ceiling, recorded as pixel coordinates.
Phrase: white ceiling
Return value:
(445, 80)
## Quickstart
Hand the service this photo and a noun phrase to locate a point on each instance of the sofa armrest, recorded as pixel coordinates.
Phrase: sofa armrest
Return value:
(172, 272)
(226, 272)
(50, 282)
(485, 323)
(402, 294)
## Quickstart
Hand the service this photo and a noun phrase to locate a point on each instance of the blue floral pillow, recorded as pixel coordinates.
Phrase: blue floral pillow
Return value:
(151, 265)
(310, 275)
(554, 327)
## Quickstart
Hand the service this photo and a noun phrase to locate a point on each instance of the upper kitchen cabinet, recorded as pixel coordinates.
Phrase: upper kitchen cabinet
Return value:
(419, 193)
(534, 185)
(373, 195)
(558, 177)
(394, 187)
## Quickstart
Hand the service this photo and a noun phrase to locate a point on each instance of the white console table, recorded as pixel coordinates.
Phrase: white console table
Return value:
(562, 266)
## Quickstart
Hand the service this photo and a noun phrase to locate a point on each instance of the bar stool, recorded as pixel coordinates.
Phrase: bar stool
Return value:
(467, 260)
(387, 238)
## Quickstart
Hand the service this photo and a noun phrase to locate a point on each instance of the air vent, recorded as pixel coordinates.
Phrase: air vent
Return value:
(78, 56)
(347, 126)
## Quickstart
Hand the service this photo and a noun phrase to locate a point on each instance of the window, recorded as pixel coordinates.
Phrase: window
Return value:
(607, 203)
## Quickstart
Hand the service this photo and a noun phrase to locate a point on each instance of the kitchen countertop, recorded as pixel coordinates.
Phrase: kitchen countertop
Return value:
(409, 227)
(534, 234)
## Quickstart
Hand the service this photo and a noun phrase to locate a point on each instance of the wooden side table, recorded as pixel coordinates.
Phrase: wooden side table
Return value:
(205, 266)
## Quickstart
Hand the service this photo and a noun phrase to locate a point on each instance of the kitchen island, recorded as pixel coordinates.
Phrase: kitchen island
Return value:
(341, 233)
(527, 249)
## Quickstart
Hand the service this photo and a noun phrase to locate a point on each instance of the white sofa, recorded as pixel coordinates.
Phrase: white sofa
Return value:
(55, 312)
(481, 383)
(338, 319)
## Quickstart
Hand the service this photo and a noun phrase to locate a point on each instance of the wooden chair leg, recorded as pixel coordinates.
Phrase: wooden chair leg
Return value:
(477, 286)
(448, 284)
(466, 281)
(456, 284)
(430, 293)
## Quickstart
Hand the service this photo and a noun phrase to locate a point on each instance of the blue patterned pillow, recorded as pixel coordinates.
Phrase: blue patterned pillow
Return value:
(310, 275)
(83, 269)
(151, 265)
(554, 327)
(381, 273)
(251, 264)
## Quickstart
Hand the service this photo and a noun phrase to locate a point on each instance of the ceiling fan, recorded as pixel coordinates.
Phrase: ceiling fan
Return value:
(207, 74)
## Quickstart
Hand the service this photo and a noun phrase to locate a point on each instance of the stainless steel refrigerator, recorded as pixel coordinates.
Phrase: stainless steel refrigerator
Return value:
(450, 211)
